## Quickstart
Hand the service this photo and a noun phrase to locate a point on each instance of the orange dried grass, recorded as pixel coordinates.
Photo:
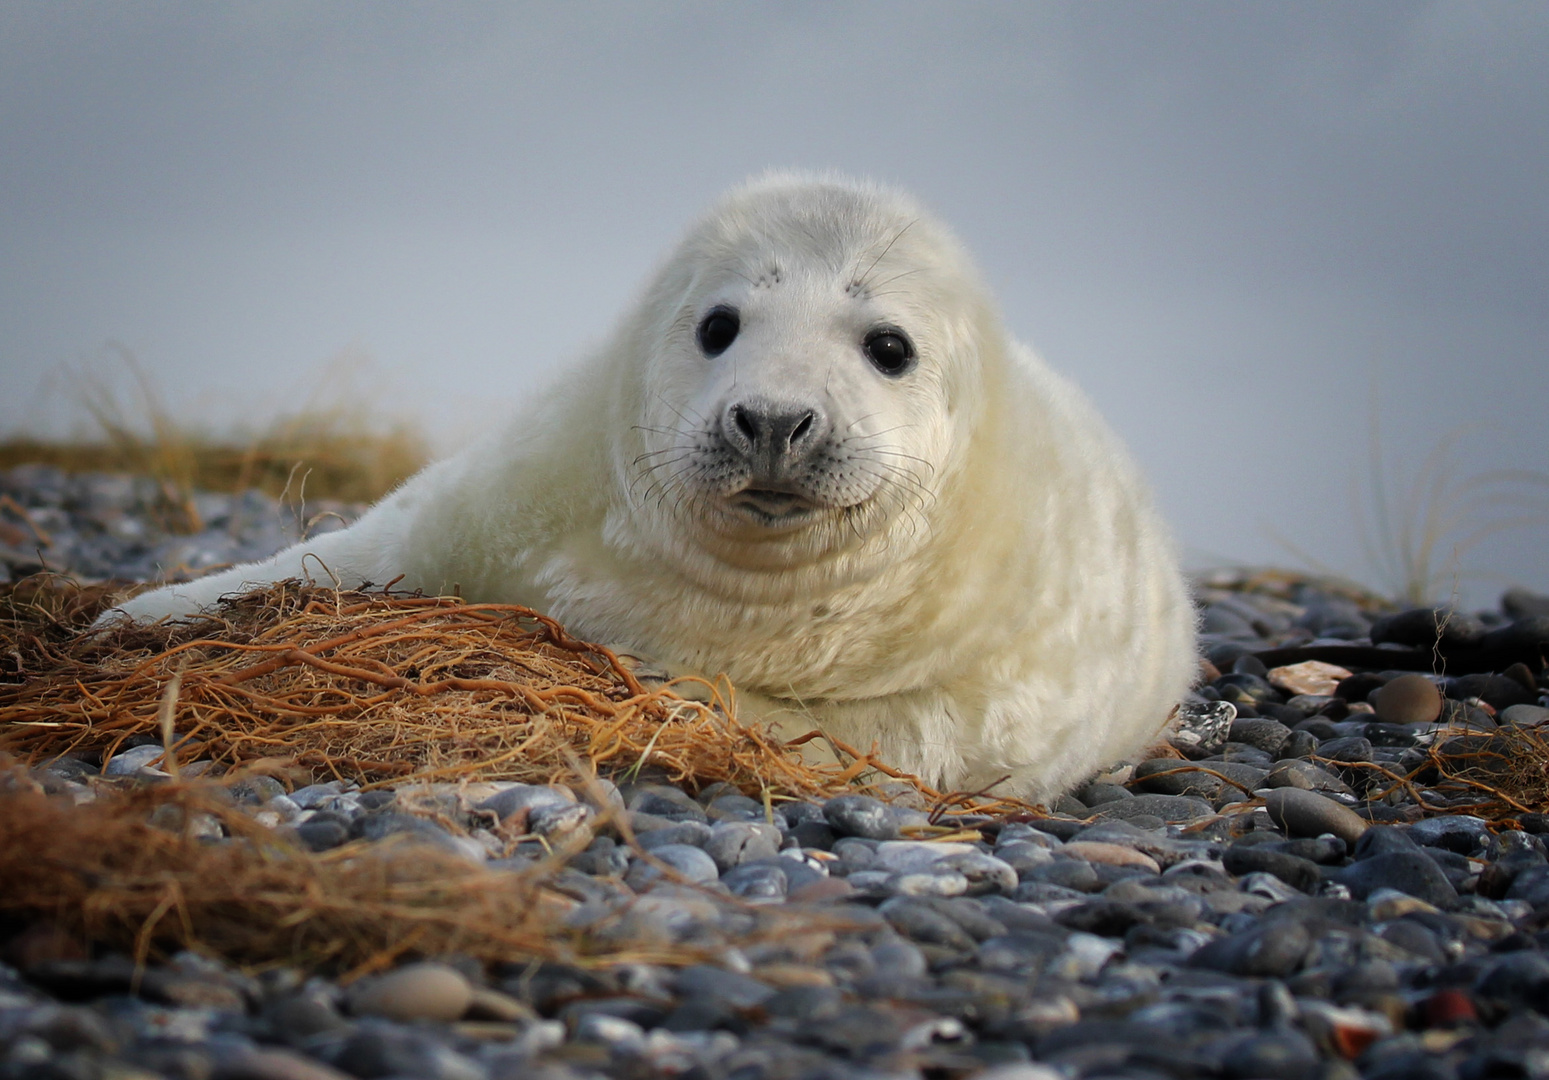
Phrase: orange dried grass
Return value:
(378, 687)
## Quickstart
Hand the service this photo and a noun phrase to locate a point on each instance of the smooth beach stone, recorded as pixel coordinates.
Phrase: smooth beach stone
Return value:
(1296, 872)
(1264, 734)
(1425, 627)
(1414, 873)
(985, 874)
(1383, 840)
(1067, 873)
(414, 992)
(667, 802)
(734, 842)
(1306, 813)
(1500, 692)
(1284, 1054)
(693, 833)
(739, 991)
(1268, 949)
(1408, 699)
(1461, 833)
(908, 855)
(1172, 809)
(757, 881)
(1311, 678)
(322, 835)
(862, 816)
(1169, 776)
(128, 762)
(1113, 854)
(513, 800)
(1347, 748)
(1095, 795)
(1304, 775)
(1524, 716)
(691, 862)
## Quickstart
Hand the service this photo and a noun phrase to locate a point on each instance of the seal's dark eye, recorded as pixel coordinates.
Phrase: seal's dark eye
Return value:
(718, 330)
(890, 351)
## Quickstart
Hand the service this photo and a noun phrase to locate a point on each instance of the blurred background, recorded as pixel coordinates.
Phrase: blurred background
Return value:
(1297, 253)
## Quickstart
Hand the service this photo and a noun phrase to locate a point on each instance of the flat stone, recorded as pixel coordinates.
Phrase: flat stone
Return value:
(1306, 813)
(1296, 872)
(414, 992)
(1313, 677)
(1172, 809)
(1112, 854)
(1524, 715)
(1304, 775)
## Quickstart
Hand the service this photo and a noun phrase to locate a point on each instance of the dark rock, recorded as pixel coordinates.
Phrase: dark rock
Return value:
(1267, 735)
(1461, 833)
(1354, 748)
(322, 835)
(739, 991)
(1172, 809)
(1408, 872)
(861, 815)
(1296, 872)
(1384, 840)
(754, 881)
(1520, 603)
(695, 833)
(1267, 950)
(1496, 691)
(1427, 627)
(1094, 795)
(1285, 1055)
(1250, 689)
(1518, 979)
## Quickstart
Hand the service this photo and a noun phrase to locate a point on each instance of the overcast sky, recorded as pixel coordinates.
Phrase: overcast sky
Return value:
(1237, 225)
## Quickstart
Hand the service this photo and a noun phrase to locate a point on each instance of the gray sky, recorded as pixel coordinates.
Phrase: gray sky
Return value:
(1237, 225)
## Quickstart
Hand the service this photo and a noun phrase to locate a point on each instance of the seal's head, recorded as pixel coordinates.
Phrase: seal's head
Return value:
(815, 358)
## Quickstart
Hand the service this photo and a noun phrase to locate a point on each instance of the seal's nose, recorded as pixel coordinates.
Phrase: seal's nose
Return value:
(773, 435)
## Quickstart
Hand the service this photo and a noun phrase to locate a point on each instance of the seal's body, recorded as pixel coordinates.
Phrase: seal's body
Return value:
(810, 458)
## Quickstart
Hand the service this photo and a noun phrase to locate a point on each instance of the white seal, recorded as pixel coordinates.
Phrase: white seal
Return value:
(811, 459)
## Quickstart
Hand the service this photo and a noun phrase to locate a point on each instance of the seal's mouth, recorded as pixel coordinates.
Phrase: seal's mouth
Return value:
(772, 505)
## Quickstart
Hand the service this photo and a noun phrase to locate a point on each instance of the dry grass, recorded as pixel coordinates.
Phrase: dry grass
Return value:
(336, 445)
(307, 683)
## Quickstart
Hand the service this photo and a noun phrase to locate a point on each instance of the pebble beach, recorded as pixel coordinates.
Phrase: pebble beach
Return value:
(1297, 885)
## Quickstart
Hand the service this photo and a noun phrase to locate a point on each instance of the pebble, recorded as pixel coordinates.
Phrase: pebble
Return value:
(1408, 699)
(1307, 813)
(1167, 926)
(413, 992)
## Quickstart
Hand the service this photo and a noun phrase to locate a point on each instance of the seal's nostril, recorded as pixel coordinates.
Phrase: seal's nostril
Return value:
(801, 429)
(745, 423)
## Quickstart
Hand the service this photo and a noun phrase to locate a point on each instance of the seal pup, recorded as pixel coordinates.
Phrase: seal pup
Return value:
(810, 457)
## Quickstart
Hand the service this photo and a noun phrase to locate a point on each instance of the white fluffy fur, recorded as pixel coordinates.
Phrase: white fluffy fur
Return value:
(986, 590)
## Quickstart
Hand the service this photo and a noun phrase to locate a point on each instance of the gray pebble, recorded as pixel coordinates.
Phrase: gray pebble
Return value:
(1170, 808)
(1307, 813)
(1408, 872)
(733, 842)
(128, 762)
(691, 862)
(862, 816)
